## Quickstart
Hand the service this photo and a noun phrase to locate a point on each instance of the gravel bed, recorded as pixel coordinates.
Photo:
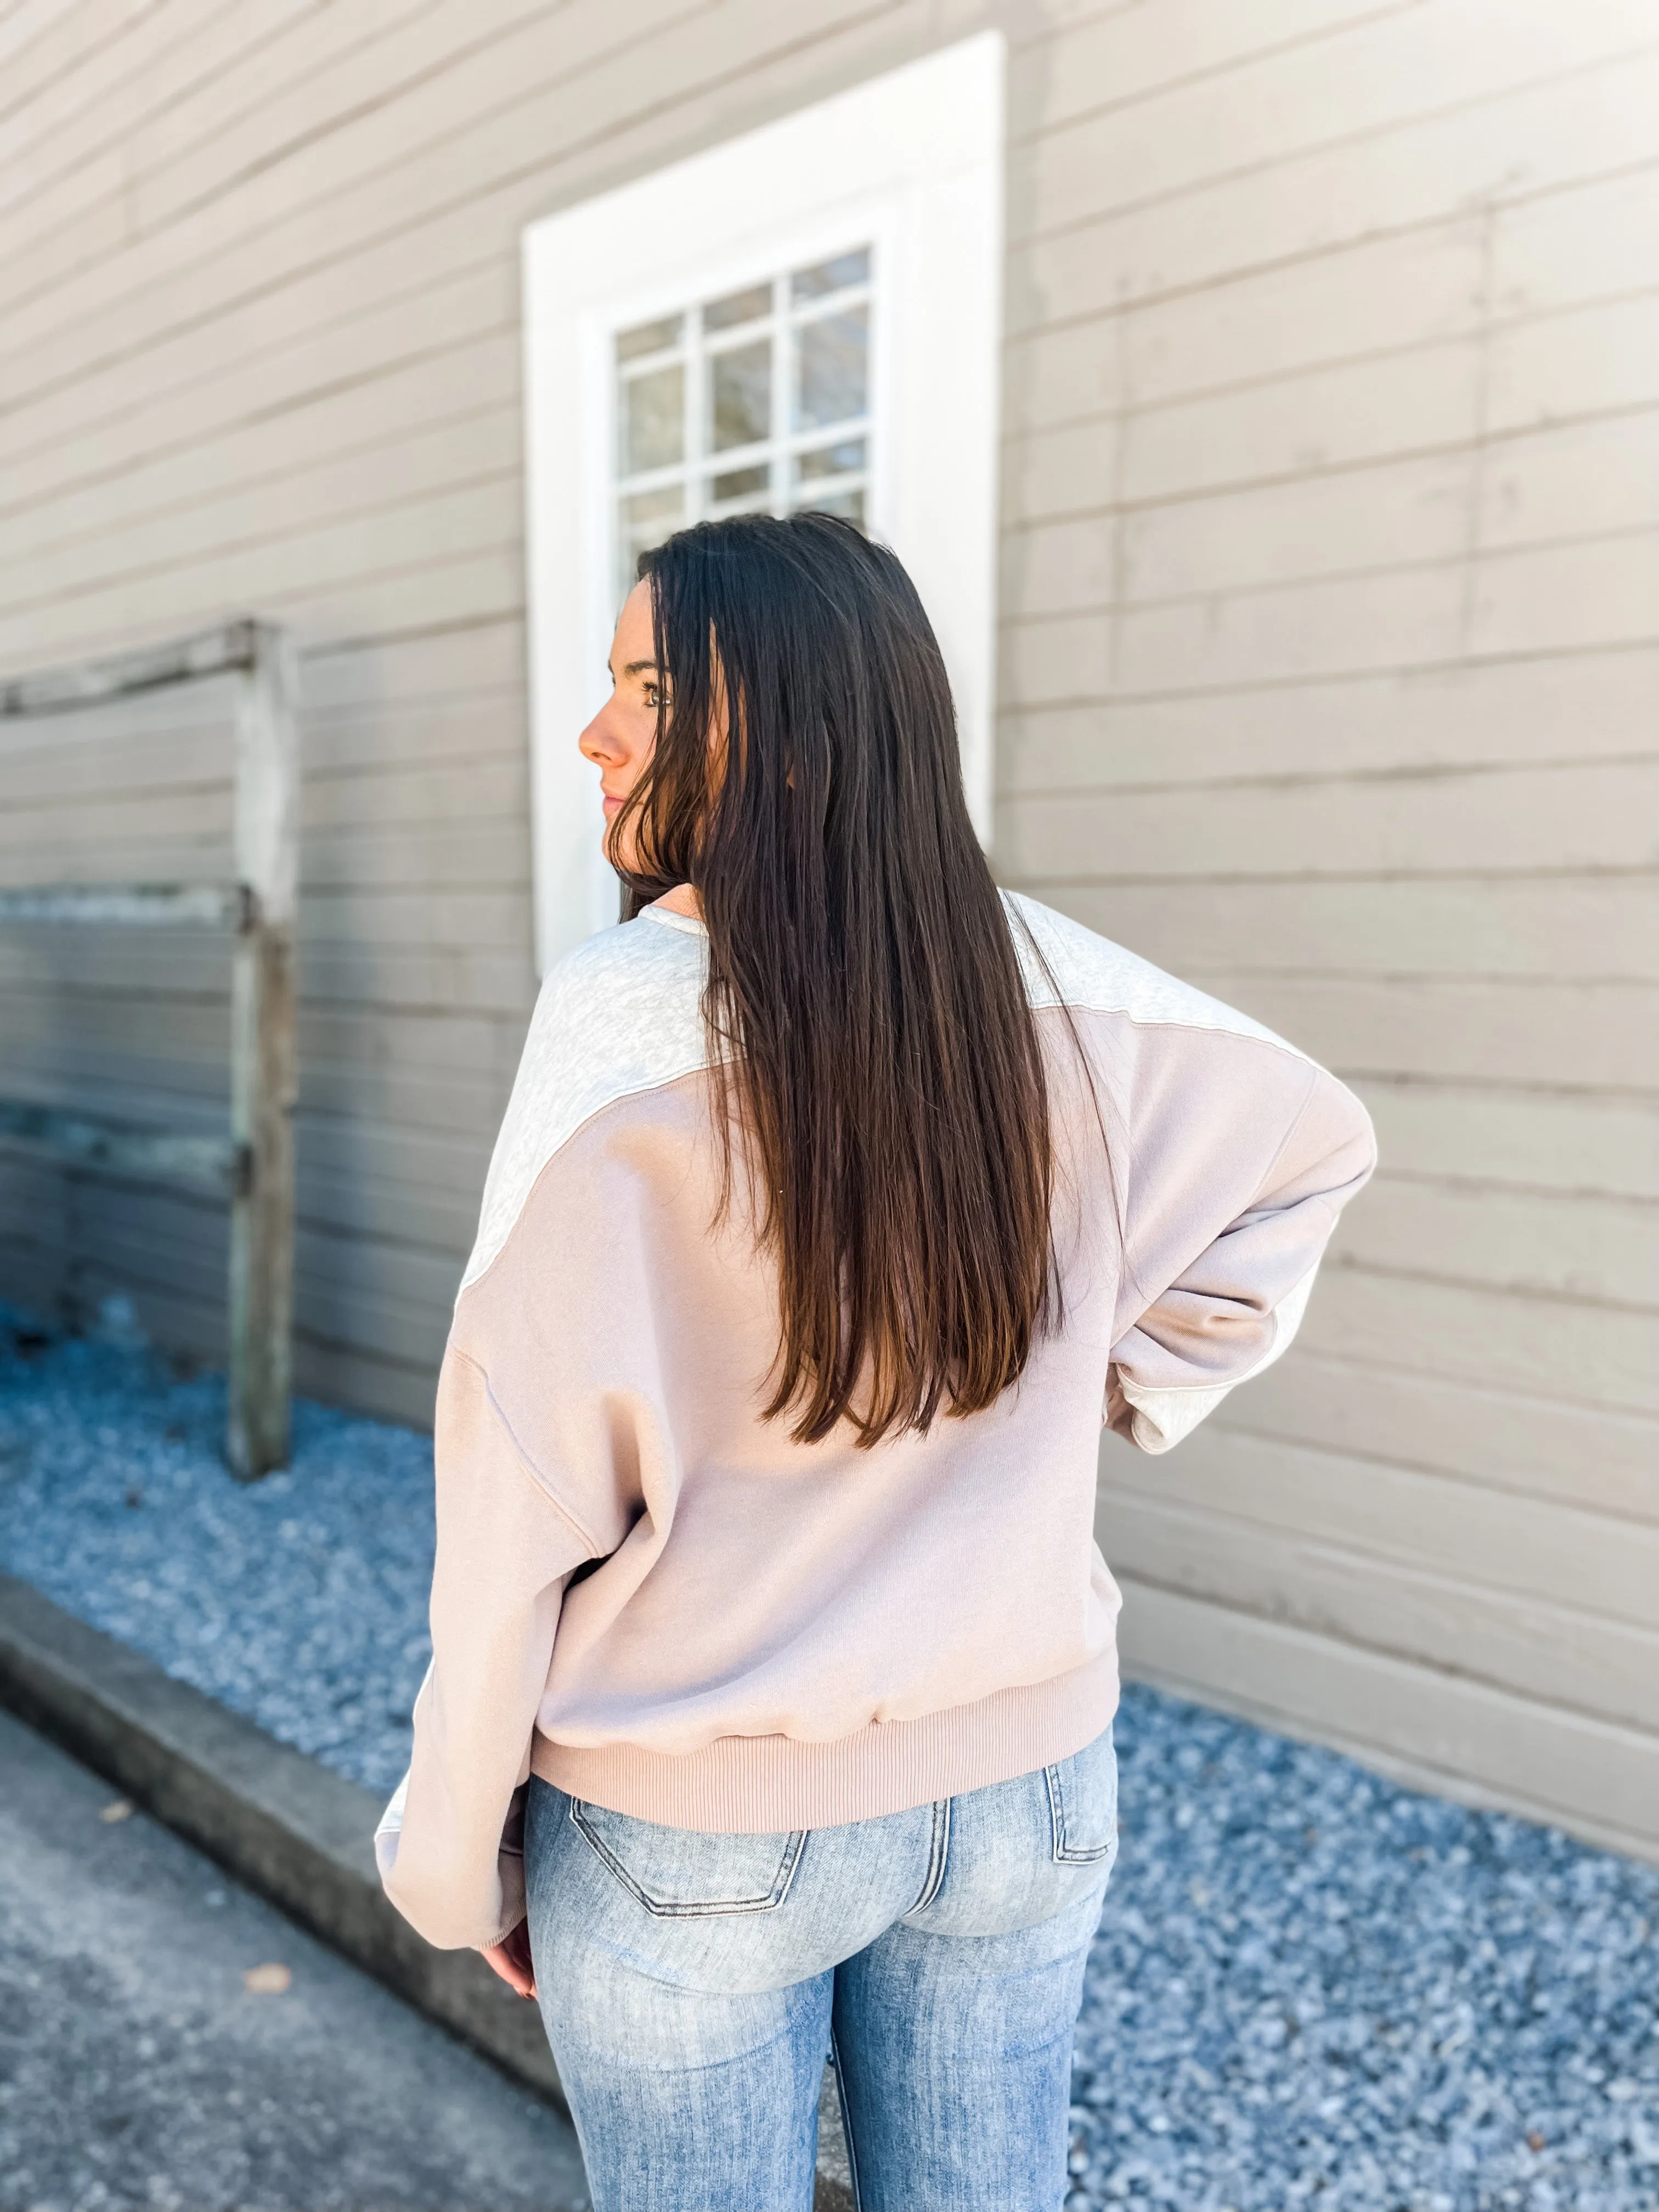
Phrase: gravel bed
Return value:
(1310, 1988)
(300, 1600)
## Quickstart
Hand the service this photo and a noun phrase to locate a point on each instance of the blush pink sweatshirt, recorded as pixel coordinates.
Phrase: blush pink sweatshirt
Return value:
(780, 1636)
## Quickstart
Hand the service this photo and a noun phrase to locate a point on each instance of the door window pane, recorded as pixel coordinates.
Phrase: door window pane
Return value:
(739, 483)
(740, 395)
(832, 367)
(650, 338)
(836, 276)
(654, 419)
(838, 460)
(737, 307)
(757, 401)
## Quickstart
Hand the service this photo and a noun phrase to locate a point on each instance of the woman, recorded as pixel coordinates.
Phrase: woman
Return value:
(841, 1198)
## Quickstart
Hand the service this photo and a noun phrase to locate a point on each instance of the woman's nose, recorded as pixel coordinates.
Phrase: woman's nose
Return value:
(596, 743)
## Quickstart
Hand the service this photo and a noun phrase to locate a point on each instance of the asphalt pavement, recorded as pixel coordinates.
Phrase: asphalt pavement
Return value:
(168, 2041)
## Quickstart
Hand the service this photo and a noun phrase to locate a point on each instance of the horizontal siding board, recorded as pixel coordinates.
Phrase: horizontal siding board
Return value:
(1577, 1660)
(262, 361)
(1594, 927)
(594, 112)
(1578, 479)
(305, 81)
(1438, 1731)
(1571, 1560)
(1591, 593)
(78, 971)
(1321, 474)
(484, 93)
(339, 676)
(477, 448)
(366, 426)
(481, 517)
(1580, 243)
(166, 48)
(1590, 1355)
(1128, 54)
(1562, 1037)
(1407, 401)
(1331, 139)
(386, 1390)
(1571, 817)
(1450, 715)
(466, 856)
(1514, 1437)
(1397, 513)
(1564, 1245)
(1525, 1140)
(1553, 367)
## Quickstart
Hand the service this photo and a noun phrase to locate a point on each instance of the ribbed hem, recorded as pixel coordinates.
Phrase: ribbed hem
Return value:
(753, 1784)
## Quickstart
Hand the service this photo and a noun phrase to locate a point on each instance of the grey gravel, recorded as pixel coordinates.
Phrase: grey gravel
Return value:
(1310, 1988)
(300, 1600)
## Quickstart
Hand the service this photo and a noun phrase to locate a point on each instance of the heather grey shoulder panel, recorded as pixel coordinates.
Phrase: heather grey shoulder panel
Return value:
(622, 1013)
(1095, 974)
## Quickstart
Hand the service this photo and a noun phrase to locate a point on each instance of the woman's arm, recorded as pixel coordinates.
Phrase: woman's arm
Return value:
(1236, 1304)
(505, 1552)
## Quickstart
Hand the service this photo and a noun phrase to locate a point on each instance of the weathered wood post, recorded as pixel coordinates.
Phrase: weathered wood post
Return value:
(263, 1058)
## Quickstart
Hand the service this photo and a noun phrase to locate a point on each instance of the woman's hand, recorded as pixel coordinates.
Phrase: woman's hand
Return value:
(511, 1960)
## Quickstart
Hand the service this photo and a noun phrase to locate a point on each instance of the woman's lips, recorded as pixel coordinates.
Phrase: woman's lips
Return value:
(611, 805)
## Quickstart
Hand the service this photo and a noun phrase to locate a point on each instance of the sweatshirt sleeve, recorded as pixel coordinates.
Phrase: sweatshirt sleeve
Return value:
(505, 1552)
(1215, 1290)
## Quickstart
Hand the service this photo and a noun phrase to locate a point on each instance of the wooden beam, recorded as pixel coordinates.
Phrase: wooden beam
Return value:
(260, 1151)
(221, 652)
(68, 1138)
(262, 1063)
(155, 906)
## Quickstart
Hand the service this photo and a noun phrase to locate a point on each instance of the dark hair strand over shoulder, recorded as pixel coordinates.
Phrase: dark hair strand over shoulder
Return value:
(877, 1073)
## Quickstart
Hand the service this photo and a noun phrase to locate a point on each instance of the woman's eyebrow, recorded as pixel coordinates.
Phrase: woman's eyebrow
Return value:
(639, 667)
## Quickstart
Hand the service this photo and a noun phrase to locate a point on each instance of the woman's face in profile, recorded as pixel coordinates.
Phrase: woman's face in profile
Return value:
(619, 738)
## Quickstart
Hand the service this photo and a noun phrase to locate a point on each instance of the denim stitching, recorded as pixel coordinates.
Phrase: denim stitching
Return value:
(845, 2122)
(938, 1851)
(1064, 1855)
(684, 1908)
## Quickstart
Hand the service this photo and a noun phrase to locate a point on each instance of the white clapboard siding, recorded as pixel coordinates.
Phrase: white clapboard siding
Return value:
(1428, 716)
(1329, 670)
(1532, 1439)
(1557, 1651)
(1600, 928)
(1433, 1727)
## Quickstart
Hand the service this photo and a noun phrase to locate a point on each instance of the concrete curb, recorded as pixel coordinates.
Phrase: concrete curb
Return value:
(288, 1827)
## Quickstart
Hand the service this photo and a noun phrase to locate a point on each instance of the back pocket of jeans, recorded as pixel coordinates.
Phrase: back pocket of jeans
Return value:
(680, 1873)
(1083, 1803)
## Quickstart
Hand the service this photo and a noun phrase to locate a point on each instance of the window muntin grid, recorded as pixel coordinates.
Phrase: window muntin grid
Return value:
(755, 402)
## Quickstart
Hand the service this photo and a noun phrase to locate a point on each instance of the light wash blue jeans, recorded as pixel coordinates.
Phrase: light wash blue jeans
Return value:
(692, 1985)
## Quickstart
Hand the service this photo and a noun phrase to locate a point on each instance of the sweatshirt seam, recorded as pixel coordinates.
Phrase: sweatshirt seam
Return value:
(1283, 1147)
(617, 1097)
(1251, 1036)
(543, 1488)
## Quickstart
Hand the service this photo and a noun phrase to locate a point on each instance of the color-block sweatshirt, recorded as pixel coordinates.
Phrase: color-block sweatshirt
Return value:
(781, 1635)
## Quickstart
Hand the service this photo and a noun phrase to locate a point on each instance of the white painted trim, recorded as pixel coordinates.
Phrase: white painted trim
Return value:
(911, 161)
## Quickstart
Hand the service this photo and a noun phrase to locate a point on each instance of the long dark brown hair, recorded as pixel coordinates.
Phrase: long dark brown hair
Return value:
(870, 1035)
